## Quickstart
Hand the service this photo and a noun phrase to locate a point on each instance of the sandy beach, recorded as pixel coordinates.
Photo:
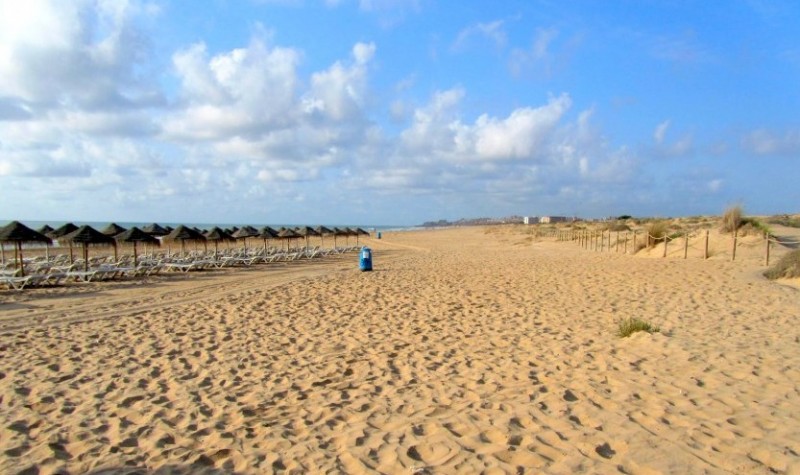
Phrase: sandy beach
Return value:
(466, 350)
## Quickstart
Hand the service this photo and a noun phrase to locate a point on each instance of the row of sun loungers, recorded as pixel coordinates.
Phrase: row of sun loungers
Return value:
(57, 270)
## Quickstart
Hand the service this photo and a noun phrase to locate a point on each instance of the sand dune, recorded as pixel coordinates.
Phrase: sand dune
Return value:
(463, 352)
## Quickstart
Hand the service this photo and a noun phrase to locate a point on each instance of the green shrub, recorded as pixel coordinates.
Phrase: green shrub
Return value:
(788, 267)
(785, 220)
(619, 226)
(632, 325)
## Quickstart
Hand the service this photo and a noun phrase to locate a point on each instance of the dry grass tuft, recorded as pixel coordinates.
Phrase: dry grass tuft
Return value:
(630, 326)
(658, 232)
(731, 219)
(619, 226)
(788, 267)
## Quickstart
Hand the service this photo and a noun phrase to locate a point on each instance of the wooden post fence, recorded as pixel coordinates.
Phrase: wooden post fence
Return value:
(705, 247)
(666, 240)
(766, 257)
(685, 245)
(633, 251)
(735, 238)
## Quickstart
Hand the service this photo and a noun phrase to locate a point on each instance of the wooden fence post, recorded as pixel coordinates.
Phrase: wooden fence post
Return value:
(735, 238)
(633, 251)
(602, 239)
(666, 240)
(766, 258)
(685, 244)
(625, 251)
(616, 244)
(705, 248)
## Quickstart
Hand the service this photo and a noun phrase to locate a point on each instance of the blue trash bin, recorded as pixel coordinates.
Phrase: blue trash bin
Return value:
(365, 261)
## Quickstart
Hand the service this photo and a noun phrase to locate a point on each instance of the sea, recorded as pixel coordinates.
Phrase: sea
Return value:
(99, 225)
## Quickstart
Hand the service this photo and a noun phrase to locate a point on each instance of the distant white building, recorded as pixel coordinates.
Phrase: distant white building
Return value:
(554, 219)
(530, 219)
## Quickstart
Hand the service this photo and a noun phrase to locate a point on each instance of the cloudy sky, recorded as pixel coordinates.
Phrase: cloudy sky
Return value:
(396, 111)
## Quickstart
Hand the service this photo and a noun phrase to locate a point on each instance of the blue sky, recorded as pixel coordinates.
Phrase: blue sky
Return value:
(396, 112)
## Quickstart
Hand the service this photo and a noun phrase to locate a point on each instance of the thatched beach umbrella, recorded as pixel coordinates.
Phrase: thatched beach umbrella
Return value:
(183, 234)
(136, 235)
(288, 234)
(155, 230)
(341, 232)
(267, 233)
(61, 232)
(243, 233)
(359, 232)
(216, 234)
(44, 230)
(306, 232)
(113, 229)
(17, 233)
(322, 231)
(86, 235)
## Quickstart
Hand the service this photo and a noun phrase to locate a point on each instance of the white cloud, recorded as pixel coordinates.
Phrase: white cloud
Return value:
(492, 31)
(238, 92)
(50, 50)
(339, 92)
(714, 186)
(438, 130)
(768, 142)
(538, 56)
(661, 131)
(521, 134)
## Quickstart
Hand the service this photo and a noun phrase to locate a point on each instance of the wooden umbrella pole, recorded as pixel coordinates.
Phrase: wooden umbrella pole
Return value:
(135, 257)
(21, 261)
(3, 253)
(86, 257)
(71, 257)
(116, 255)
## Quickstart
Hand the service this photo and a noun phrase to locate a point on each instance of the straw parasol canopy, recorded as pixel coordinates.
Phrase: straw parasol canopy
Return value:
(288, 234)
(17, 233)
(216, 234)
(322, 231)
(46, 229)
(243, 233)
(267, 233)
(113, 229)
(62, 231)
(341, 232)
(359, 232)
(306, 231)
(136, 235)
(183, 233)
(86, 235)
(155, 230)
